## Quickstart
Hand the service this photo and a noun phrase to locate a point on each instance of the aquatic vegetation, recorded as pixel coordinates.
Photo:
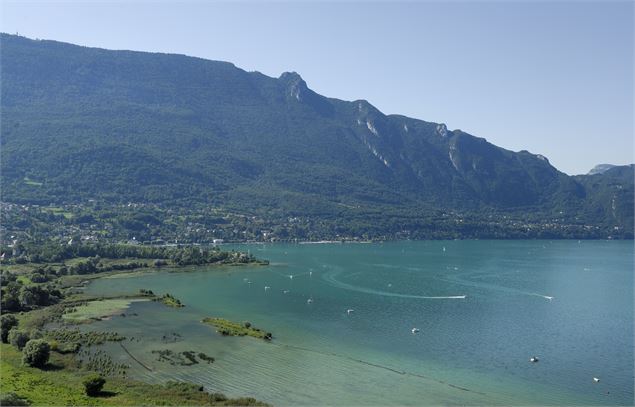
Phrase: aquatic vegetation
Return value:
(89, 338)
(173, 337)
(169, 300)
(185, 358)
(229, 328)
(205, 357)
(101, 362)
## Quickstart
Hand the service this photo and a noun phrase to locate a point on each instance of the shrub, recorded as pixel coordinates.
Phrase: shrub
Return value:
(12, 399)
(36, 334)
(6, 323)
(36, 353)
(247, 324)
(93, 385)
(18, 338)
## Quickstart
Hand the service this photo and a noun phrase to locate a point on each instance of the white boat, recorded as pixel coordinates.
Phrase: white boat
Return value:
(309, 301)
(596, 380)
(267, 287)
(349, 311)
(533, 359)
(415, 330)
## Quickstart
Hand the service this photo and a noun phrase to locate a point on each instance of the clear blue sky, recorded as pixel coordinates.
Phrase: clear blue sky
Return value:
(554, 78)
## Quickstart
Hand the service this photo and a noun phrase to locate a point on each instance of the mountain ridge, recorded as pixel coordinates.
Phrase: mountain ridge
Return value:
(167, 128)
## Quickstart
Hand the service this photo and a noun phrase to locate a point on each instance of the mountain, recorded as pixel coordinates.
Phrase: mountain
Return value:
(600, 168)
(118, 126)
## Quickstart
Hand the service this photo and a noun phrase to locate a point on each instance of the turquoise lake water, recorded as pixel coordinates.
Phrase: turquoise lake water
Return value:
(483, 308)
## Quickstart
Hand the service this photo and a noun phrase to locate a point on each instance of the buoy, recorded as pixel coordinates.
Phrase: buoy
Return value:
(309, 301)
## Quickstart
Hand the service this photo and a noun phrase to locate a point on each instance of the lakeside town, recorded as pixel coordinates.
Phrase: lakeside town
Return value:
(152, 224)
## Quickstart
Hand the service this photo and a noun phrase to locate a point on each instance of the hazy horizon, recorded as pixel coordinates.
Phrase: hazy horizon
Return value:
(511, 73)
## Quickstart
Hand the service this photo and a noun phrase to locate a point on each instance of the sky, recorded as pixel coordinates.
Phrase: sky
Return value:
(554, 78)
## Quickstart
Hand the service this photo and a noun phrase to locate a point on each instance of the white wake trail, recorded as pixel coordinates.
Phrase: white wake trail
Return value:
(330, 279)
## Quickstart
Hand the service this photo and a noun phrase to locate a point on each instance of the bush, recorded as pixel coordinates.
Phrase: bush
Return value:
(6, 323)
(18, 338)
(36, 353)
(36, 334)
(93, 385)
(12, 399)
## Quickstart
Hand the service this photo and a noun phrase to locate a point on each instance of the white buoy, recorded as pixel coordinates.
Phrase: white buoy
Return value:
(309, 301)
(389, 285)
(443, 248)
(291, 276)
(285, 292)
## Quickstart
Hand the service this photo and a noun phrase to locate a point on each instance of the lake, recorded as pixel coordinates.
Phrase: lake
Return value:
(482, 310)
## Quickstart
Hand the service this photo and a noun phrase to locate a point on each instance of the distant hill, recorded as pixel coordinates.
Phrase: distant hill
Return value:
(83, 123)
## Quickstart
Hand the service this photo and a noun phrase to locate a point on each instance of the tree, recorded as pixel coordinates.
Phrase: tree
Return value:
(18, 338)
(36, 353)
(93, 385)
(11, 297)
(6, 323)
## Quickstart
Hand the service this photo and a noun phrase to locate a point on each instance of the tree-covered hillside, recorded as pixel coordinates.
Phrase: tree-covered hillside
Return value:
(83, 124)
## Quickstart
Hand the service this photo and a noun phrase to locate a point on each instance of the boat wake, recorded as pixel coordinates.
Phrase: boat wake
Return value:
(330, 278)
(461, 281)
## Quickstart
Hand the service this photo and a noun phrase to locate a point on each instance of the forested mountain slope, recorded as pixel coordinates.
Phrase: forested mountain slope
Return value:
(119, 126)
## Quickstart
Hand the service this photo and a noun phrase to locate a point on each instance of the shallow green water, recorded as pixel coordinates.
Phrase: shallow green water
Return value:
(471, 350)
